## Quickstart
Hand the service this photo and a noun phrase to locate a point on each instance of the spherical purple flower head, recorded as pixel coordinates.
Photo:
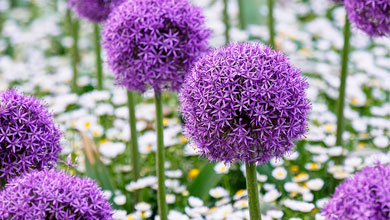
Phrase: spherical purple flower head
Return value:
(244, 102)
(371, 16)
(28, 137)
(365, 196)
(153, 43)
(94, 10)
(53, 194)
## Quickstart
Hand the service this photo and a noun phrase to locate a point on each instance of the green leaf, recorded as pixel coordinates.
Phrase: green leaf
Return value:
(206, 180)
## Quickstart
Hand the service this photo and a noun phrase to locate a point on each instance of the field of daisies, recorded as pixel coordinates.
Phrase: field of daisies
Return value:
(194, 109)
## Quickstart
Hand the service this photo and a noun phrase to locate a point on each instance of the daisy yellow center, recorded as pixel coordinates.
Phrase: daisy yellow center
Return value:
(240, 192)
(193, 173)
(165, 121)
(354, 101)
(294, 168)
(183, 139)
(87, 124)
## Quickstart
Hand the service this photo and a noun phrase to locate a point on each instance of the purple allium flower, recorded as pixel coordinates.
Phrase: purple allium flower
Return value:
(154, 42)
(28, 137)
(364, 196)
(371, 16)
(94, 10)
(53, 194)
(244, 102)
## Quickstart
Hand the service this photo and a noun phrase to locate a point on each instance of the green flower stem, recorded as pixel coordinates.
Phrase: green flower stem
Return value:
(162, 205)
(343, 79)
(134, 142)
(73, 27)
(226, 21)
(99, 67)
(271, 26)
(241, 7)
(253, 191)
(2, 183)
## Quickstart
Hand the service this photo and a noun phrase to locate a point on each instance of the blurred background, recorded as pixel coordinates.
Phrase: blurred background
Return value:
(36, 43)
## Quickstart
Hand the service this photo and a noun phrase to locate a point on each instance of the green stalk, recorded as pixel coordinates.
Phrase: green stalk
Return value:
(343, 79)
(134, 142)
(271, 26)
(241, 7)
(55, 4)
(99, 67)
(2, 183)
(253, 191)
(162, 205)
(73, 27)
(226, 20)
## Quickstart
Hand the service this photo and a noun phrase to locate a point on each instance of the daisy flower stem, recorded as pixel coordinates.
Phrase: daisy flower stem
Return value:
(253, 191)
(162, 206)
(134, 143)
(99, 67)
(73, 27)
(343, 79)
(271, 26)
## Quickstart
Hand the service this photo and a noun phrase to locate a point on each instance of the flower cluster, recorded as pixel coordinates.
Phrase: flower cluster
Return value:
(154, 42)
(51, 194)
(28, 136)
(244, 102)
(371, 16)
(94, 10)
(364, 196)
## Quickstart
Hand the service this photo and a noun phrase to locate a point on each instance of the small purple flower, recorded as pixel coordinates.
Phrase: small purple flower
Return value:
(53, 194)
(370, 16)
(94, 10)
(244, 102)
(28, 137)
(153, 43)
(364, 196)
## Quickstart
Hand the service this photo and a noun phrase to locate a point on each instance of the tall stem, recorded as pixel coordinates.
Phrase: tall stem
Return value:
(134, 142)
(226, 20)
(2, 183)
(253, 191)
(162, 206)
(241, 7)
(271, 26)
(343, 79)
(73, 27)
(99, 68)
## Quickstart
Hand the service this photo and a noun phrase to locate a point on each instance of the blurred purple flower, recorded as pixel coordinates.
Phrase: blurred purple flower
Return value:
(244, 102)
(370, 16)
(154, 42)
(364, 196)
(94, 10)
(53, 194)
(28, 137)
